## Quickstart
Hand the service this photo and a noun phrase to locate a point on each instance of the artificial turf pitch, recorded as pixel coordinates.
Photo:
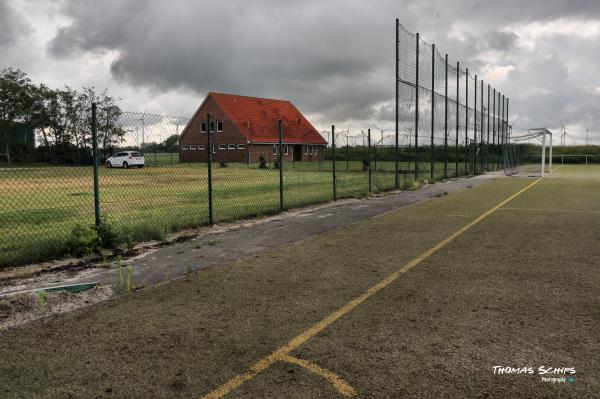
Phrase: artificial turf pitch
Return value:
(519, 288)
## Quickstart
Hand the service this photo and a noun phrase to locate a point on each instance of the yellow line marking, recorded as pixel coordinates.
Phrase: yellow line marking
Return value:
(550, 210)
(282, 352)
(342, 386)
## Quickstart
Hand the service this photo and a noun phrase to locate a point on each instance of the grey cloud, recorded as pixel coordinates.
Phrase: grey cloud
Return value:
(331, 58)
(12, 25)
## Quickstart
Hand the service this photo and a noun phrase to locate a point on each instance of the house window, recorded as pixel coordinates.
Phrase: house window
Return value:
(222, 146)
(241, 146)
(192, 147)
(285, 149)
(274, 149)
(203, 127)
(306, 150)
(184, 148)
(214, 149)
(231, 146)
(200, 148)
(219, 126)
(212, 126)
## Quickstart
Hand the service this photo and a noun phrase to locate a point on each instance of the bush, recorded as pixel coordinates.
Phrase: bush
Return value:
(276, 165)
(84, 240)
(222, 163)
(107, 233)
(365, 164)
(262, 162)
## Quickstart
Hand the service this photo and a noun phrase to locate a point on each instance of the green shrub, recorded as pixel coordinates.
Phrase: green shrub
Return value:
(84, 240)
(262, 162)
(109, 237)
(222, 163)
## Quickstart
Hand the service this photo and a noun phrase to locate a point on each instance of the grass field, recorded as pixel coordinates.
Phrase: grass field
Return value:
(422, 302)
(40, 206)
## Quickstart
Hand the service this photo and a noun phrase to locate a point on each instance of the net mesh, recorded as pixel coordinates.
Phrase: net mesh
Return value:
(450, 134)
(528, 153)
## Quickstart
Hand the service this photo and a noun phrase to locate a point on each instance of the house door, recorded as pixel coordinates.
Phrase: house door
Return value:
(297, 153)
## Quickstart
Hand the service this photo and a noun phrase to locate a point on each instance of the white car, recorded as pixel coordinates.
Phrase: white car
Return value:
(126, 159)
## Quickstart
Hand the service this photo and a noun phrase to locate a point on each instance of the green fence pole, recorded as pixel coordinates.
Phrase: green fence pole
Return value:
(279, 128)
(446, 120)
(209, 165)
(487, 146)
(432, 110)
(481, 135)
(333, 160)
(473, 163)
(369, 155)
(507, 104)
(457, 118)
(466, 120)
(95, 167)
(417, 114)
(396, 156)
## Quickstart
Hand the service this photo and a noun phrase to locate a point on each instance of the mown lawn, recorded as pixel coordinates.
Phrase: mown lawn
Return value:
(517, 289)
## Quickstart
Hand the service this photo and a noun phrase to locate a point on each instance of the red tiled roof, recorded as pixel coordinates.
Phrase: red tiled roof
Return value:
(257, 118)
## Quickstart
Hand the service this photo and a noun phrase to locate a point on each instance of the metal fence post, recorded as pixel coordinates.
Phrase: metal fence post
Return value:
(209, 165)
(417, 114)
(457, 118)
(487, 157)
(495, 150)
(369, 155)
(432, 110)
(333, 157)
(473, 163)
(466, 120)
(507, 104)
(396, 180)
(446, 120)
(279, 128)
(95, 167)
(481, 131)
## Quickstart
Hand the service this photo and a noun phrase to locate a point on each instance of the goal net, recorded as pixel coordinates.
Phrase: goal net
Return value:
(528, 153)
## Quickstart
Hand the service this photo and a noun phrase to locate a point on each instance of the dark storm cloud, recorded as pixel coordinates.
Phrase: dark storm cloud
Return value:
(334, 58)
(11, 24)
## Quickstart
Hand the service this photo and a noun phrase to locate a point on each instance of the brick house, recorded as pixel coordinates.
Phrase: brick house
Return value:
(245, 128)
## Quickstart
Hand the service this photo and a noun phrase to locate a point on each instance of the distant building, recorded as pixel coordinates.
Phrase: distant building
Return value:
(245, 128)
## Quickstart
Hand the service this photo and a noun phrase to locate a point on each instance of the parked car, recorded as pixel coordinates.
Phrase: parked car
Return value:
(126, 159)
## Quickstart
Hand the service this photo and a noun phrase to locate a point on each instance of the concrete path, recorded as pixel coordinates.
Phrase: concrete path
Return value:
(222, 244)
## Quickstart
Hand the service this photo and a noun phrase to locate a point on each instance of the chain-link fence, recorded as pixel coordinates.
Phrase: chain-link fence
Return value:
(131, 177)
(450, 116)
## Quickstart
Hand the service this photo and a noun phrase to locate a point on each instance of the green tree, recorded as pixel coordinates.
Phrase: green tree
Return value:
(16, 93)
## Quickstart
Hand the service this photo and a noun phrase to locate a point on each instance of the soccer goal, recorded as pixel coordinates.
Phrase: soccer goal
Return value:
(528, 153)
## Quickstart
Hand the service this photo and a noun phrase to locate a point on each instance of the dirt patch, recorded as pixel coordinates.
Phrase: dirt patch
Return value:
(19, 309)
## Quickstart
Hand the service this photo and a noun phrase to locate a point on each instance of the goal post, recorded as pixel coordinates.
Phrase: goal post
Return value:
(528, 153)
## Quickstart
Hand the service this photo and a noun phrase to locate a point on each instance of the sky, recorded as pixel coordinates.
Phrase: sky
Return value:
(334, 60)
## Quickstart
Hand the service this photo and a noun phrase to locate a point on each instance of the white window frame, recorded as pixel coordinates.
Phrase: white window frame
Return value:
(241, 146)
(285, 147)
(219, 123)
(214, 149)
(203, 127)
(305, 150)
(274, 149)
(192, 147)
(185, 147)
(201, 148)
(231, 146)
(222, 147)
(212, 126)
